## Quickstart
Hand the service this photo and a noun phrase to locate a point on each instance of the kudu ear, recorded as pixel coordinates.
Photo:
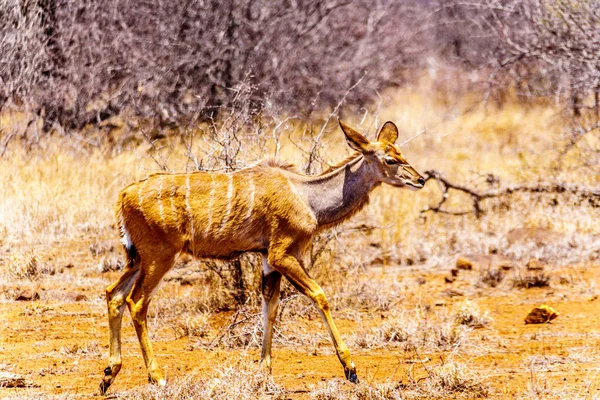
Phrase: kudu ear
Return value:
(355, 140)
(388, 133)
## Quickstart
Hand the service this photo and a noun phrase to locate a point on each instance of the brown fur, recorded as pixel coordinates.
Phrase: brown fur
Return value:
(269, 208)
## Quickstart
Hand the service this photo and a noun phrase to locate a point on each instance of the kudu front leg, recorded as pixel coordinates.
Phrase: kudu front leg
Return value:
(271, 282)
(291, 268)
(115, 299)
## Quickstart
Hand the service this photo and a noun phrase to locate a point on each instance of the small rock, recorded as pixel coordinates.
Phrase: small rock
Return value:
(464, 263)
(454, 271)
(541, 315)
(421, 280)
(377, 261)
(449, 279)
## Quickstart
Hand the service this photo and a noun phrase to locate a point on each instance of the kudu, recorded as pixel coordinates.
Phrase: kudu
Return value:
(266, 208)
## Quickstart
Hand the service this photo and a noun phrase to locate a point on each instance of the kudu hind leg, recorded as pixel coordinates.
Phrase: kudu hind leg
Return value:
(138, 302)
(291, 268)
(115, 299)
(271, 283)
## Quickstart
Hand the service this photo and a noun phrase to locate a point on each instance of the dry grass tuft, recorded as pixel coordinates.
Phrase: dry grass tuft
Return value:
(531, 279)
(243, 380)
(111, 263)
(91, 349)
(453, 379)
(193, 328)
(450, 380)
(417, 329)
(27, 265)
(470, 315)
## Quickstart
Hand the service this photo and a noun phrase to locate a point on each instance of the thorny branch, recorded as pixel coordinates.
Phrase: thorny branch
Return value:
(592, 195)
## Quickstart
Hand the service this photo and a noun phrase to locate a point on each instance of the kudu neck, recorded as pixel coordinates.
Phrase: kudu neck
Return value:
(338, 194)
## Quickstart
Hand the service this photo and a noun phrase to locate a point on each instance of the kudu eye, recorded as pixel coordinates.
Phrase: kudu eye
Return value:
(390, 161)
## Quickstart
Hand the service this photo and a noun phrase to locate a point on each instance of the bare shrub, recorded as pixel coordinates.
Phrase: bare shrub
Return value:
(83, 63)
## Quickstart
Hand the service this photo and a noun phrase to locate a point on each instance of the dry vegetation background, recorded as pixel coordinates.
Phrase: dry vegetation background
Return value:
(498, 99)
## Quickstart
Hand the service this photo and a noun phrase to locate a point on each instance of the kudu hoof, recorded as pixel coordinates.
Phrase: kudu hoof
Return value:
(106, 381)
(351, 375)
(104, 387)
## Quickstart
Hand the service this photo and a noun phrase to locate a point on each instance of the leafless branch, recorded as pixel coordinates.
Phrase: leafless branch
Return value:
(445, 185)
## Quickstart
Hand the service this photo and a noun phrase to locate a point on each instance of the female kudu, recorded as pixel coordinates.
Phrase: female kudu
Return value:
(266, 208)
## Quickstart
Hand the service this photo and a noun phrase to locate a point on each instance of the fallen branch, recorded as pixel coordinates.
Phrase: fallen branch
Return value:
(592, 195)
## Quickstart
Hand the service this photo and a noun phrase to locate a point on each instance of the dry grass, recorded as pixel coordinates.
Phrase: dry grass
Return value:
(427, 330)
(57, 230)
(448, 380)
(242, 380)
(245, 380)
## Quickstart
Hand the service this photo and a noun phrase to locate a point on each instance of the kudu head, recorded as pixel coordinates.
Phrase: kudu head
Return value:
(391, 166)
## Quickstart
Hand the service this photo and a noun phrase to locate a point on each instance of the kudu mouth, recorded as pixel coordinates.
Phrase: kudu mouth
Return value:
(416, 181)
(420, 183)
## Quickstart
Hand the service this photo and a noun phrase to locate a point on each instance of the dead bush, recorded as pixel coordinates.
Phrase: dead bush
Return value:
(532, 279)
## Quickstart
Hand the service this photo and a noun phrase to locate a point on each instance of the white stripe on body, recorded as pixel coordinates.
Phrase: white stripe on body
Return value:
(141, 193)
(172, 195)
(161, 209)
(188, 207)
(229, 202)
(251, 201)
(211, 197)
(142, 184)
(125, 236)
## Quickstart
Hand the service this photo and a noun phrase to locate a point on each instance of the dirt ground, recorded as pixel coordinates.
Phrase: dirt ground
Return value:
(59, 343)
